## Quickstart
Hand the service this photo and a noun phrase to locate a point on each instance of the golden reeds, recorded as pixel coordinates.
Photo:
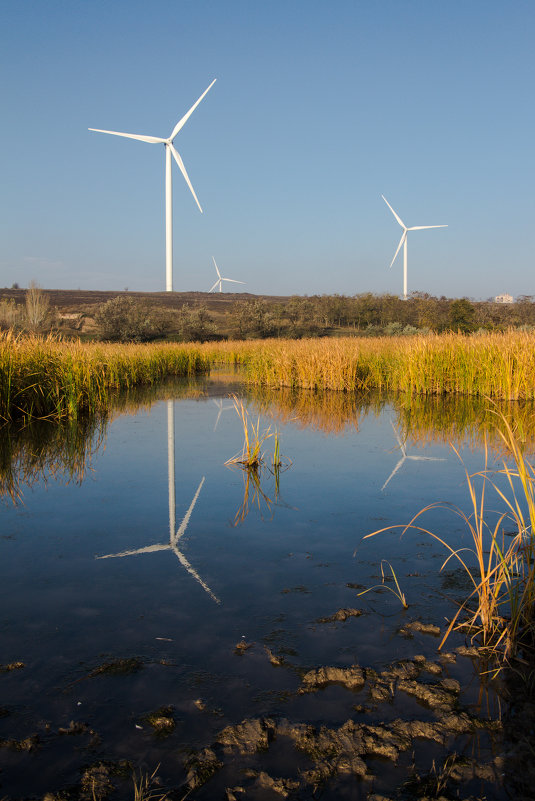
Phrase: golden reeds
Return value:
(48, 377)
(498, 365)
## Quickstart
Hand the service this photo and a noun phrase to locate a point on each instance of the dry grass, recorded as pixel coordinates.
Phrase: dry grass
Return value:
(42, 377)
(397, 591)
(500, 365)
(251, 455)
(49, 378)
(500, 563)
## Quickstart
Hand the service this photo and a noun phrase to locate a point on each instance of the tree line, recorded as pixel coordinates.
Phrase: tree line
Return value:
(125, 318)
(320, 315)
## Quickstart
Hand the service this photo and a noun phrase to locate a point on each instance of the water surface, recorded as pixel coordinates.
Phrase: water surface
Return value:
(135, 542)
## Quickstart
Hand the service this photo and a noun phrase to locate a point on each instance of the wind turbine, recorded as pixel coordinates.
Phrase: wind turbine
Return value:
(174, 534)
(403, 241)
(405, 456)
(220, 279)
(169, 151)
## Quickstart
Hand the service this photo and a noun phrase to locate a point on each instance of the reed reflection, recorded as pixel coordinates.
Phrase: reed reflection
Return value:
(420, 420)
(175, 534)
(44, 451)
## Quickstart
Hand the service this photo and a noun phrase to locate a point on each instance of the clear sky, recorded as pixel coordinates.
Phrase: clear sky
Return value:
(320, 107)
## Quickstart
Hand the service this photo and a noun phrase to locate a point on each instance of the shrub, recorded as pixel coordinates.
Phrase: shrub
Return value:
(195, 324)
(128, 320)
(11, 315)
(37, 308)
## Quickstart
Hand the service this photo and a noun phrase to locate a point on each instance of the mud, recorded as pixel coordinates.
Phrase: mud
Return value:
(332, 753)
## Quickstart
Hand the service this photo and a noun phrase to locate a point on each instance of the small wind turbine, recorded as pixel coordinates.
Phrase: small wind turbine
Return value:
(169, 151)
(405, 456)
(220, 279)
(403, 241)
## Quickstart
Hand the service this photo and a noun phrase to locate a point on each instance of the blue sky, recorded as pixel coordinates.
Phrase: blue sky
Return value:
(319, 108)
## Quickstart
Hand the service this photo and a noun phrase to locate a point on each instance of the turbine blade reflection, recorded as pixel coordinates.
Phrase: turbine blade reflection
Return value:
(174, 534)
(402, 443)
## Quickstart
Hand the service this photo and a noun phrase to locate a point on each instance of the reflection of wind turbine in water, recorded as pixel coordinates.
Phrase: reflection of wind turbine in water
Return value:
(219, 403)
(174, 535)
(405, 456)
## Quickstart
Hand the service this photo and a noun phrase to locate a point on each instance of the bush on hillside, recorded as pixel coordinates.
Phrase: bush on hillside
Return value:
(195, 324)
(125, 319)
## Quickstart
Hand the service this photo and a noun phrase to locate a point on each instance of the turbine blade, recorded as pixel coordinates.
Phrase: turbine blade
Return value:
(216, 267)
(151, 139)
(421, 227)
(214, 286)
(186, 116)
(400, 221)
(182, 169)
(233, 280)
(401, 241)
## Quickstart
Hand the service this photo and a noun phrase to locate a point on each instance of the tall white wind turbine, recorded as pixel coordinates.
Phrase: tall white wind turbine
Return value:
(403, 241)
(220, 279)
(170, 150)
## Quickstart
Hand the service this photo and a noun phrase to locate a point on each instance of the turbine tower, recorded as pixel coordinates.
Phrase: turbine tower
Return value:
(403, 241)
(220, 279)
(169, 151)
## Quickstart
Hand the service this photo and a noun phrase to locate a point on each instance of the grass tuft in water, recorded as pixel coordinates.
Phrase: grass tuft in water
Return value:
(396, 591)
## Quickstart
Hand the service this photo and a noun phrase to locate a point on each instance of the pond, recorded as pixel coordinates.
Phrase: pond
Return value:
(165, 613)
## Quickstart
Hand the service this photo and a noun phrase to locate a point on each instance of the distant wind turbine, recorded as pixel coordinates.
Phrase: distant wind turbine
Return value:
(403, 241)
(220, 279)
(405, 456)
(169, 151)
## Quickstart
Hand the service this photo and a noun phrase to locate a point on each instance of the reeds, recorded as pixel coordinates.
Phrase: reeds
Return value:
(41, 377)
(396, 590)
(497, 365)
(55, 379)
(251, 456)
(500, 563)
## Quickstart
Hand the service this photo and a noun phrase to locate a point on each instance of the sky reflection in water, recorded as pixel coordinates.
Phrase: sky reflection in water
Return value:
(194, 581)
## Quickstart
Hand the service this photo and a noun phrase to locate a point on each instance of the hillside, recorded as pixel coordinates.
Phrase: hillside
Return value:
(241, 315)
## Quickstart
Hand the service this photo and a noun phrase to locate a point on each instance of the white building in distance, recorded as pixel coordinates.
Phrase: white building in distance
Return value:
(505, 298)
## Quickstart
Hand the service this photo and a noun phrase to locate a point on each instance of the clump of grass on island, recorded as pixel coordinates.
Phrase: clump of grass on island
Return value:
(55, 379)
(497, 365)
